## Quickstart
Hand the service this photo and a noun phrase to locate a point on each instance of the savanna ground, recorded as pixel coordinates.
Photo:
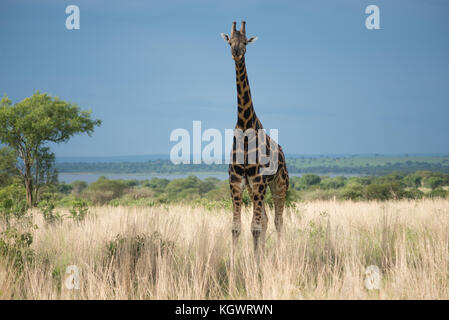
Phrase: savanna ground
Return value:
(183, 252)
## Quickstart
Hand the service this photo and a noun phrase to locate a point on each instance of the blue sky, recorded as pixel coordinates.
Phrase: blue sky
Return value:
(317, 74)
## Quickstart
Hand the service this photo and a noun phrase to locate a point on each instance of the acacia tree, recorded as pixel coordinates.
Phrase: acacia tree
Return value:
(31, 123)
(8, 166)
(44, 171)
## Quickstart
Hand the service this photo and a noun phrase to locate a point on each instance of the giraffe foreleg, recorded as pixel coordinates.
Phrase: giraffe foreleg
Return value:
(260, 218)
(237, 203)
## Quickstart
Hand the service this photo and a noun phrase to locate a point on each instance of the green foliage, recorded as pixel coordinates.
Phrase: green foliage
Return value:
(104, 190)
(333, 183)
(79, 210)
(65, 188)
(438, 193)
(78, 187)
(212, 193)
(190, 188)
(157, 183)
(434, 182)
(12, 203)
(310, 179)
(8, 164)
(41, 118)
(413, 181)
(413, 194)
(352, 192)
(47, 208)
(383, 191)
(31, 123)
(44, 174)
(15, 225)
(360, 165)
(15, 246)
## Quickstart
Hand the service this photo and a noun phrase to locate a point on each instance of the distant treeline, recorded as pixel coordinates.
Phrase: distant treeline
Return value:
(319, 165)
(213, 193)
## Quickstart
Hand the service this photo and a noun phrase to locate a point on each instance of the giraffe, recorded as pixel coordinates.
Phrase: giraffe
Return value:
(253, 174)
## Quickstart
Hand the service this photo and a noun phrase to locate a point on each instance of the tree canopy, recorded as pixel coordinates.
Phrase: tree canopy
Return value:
(31, 123)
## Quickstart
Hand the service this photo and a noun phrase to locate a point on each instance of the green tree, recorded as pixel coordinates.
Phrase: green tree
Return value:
(31, 123)
(104, 190)
(413, 180)
(434, 182)
(8, 166)
(44, 172)
(78, 186)
(310, 179)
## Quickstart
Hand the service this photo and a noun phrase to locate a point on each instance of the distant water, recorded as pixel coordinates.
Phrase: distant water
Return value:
(92, 177)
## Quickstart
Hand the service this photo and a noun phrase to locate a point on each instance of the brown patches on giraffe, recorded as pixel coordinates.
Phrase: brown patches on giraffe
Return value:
(248, 174)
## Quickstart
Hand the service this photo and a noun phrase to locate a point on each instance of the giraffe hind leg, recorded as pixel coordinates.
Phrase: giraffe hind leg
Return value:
(279, 193)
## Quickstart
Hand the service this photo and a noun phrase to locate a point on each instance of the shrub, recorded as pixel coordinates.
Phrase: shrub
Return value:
(78, 187)
(15, 246)
(13, 202)
(413, 194)
(438, 193)
(47, 209)
(317, 194)
(352, 192)
(384, 191)
(333, 183)
(79, 210)
(104, 190)
(15, 223)
(305, 181)
(434, 182)
(157, 184)
(413, 181)
(64, 188)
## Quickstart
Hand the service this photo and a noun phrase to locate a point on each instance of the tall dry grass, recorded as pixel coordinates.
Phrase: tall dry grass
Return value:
(182, 252)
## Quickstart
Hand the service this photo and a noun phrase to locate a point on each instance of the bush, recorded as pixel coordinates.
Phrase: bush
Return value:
(434, 182)
(317, 194)
(15, 246)
(360, 181)
(78, 187)
(15, 223)
(413, 194)
(157, 184)
(384, 191)
(352, 192)
(333, 183)
(47, 209)
(413, 181)
(79, 210)
(438, 193)
(64, 188)
(104, 190)
(13, 202)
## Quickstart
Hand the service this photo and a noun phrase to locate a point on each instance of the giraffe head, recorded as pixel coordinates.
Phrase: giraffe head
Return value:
(238, 41)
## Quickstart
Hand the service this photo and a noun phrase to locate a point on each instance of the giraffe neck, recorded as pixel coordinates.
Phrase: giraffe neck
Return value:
(246, 116)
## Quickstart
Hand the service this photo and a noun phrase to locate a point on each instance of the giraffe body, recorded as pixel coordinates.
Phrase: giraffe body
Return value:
(246, 170)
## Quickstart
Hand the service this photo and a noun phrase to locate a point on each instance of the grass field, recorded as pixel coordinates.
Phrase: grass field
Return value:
(183, 252)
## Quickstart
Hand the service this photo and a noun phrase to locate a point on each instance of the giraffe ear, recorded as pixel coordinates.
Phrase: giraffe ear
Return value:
(252, 39)
(225, 37)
